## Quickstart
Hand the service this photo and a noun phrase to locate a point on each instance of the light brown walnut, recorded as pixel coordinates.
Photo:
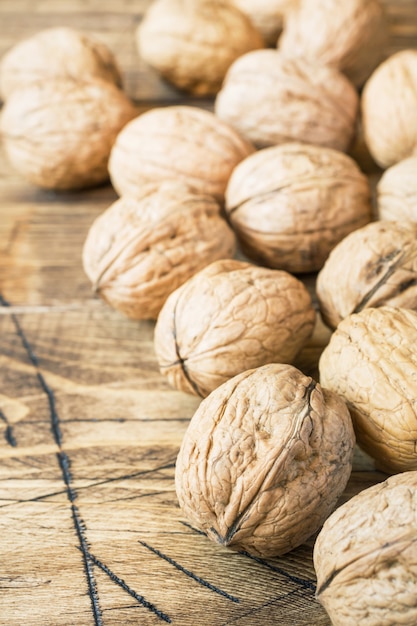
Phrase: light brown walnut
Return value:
(58, 133)
(59, 52)
(396, 192)
(365, 556)
(271, 100)
(141, 249)
(264, 460)
(229, 317)
(371, 362)
(291, 204)
(373, 266)
(389, 103)
(351, 36)
(182, 143)
(192, 44)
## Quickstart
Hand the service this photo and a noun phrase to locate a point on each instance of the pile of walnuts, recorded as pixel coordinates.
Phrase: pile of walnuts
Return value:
(220, 213)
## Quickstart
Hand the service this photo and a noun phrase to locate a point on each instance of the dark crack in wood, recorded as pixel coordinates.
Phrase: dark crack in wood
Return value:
(190, 574)
(302, 582)
(8, 433)
(121, 583)
(64, 464)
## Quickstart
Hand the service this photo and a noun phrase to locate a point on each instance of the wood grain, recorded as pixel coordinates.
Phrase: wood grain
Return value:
(91, 533)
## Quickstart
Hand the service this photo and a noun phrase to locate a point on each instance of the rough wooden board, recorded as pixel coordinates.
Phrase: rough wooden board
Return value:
(90, 436)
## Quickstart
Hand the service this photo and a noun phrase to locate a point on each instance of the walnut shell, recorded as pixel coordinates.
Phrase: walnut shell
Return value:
(192, 44)
(291, 204)
(371, 361)
(350, 36)
(264, 460)
(365, 556)
(59, 52)
(229, 317)
(140, 250)
(176, 142)
(58, 134)
(271, 100)
(389, 103)
(397, 192)
(373, 266)
(266, 15)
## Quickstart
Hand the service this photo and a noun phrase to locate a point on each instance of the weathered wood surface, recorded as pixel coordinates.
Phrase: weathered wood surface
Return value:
(90, 529)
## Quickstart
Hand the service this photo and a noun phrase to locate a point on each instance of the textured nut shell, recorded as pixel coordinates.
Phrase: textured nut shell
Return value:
(192, 44)
(291, 204)
(397, 192)
(365, 556)
(371, 361)
(389, 104)
(230, 317)
(177, 142)
(264, 460)
(58, 134)
(140, 250)
(266, 15)
(375, 265)
(56, 53)
(350, 36)
(272, 100)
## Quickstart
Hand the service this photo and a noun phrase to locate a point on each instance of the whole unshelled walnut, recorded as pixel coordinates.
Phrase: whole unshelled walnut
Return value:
(371, 362)
(141, 249)
(365, 556)
(177, 142)
(270, 100)
(396, 192)
(291, 204)
(264, 460)
(59, 52)
(266, 15)
(350, 36)
(229, 317)
(58, 133)
(389, 103)
(373, 266)
(192, 44)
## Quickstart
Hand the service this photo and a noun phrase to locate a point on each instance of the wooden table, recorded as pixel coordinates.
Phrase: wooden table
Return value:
(90, 529)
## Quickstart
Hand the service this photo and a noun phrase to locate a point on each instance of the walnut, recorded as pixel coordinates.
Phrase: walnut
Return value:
(227, 318)
(58, 133)
(271, 100)
(365, 556)
(139, 250)
(176, 142)
(264, 460)
(291, 204)
(389, 103)
(371, 361)
(397, 192)
(59, 52)
(350, 36)
(373, 266)
(266, 15)
(192, 44)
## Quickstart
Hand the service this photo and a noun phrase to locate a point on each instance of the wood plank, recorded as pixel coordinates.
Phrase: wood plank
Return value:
(90, 437)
